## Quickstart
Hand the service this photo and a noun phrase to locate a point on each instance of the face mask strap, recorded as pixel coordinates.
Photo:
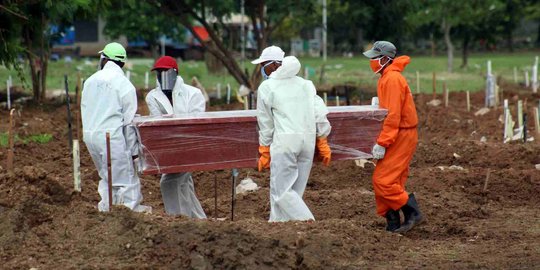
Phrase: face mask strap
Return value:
(381, 65)
(263, 72)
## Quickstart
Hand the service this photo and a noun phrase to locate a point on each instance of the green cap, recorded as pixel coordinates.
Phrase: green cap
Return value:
(115, 51)
(381, 48)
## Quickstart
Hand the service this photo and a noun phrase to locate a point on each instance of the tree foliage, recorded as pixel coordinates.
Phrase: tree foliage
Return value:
(26, 31)
(140, 20)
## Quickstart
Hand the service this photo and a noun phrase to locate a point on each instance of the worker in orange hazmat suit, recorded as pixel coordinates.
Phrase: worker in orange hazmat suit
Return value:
(397, 141)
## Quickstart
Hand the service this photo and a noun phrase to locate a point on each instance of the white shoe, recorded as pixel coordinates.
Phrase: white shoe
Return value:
(143, 209)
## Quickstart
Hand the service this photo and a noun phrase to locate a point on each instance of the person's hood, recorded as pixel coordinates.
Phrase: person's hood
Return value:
(399, 64)
(288, 69)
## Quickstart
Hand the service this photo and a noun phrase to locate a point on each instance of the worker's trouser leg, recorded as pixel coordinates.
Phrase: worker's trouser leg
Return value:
(391, 172)
(179, 196)
(126, 185)
(289, 174)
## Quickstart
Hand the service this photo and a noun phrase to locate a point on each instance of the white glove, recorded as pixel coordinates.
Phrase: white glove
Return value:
(378, 151)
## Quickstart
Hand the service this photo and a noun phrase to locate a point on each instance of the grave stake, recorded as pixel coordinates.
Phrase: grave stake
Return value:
(228, 94)
(11, 141)
(8, 90)
(537, 120)
(246, 103)
(445, 90)
(468, 101)
(146, 80)
(434, 85)
(486, 181)
(417, 82)
(520, 113)
(76, 166)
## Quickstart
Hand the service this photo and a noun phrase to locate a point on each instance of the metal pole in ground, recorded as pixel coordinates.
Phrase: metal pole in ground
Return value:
(68, 101)
(109, 169)
(233, 193)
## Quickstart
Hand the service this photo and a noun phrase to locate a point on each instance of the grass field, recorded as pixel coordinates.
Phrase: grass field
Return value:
(338, 70)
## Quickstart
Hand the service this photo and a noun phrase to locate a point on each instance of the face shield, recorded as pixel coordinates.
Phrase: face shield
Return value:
(167, 79)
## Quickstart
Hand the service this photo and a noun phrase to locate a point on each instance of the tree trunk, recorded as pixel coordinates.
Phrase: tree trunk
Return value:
(44, 60)
(465, 52)
(31, 62)
(449, 46)
(510, 39)
(432, 42)
(154, 48)
(538, 34)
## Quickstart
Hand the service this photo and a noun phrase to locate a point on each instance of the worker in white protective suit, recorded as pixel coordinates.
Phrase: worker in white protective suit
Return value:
(173, 96)
(108, 104)
(292, 125)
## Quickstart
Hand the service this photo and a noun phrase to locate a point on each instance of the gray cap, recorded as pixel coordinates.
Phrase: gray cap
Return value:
(381, 48)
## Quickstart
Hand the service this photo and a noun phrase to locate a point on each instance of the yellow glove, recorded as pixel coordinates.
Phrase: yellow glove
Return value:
(264, 159)
(325, 154)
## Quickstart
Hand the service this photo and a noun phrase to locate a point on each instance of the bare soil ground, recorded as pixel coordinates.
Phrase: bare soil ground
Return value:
(46, 225)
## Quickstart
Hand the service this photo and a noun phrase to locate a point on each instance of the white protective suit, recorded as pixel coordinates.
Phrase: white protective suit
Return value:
(290, 116)
(108, 104)
(177, 188)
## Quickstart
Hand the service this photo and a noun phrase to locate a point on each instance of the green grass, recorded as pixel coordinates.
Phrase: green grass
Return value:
(37, 138)
(40, 138)
(357, 71)
(338, 70)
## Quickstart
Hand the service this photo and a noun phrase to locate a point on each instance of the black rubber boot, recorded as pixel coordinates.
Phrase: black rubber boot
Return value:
(392, 220)
(412, 215)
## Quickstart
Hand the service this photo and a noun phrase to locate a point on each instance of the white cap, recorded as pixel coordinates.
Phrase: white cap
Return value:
(272, 53)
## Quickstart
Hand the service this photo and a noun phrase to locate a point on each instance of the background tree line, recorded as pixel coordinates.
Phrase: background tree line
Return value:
(418, 26)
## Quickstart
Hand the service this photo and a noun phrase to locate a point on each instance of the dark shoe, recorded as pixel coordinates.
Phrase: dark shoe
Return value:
(392, 220)
(412, 215)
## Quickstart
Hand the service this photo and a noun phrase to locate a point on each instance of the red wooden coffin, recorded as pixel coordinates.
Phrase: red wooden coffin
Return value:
(229, 139)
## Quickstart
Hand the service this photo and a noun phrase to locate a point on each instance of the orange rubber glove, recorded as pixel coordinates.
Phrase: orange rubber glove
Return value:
(325, 154)
(264, 159)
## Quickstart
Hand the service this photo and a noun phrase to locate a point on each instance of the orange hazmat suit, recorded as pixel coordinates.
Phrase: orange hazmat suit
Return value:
(399, 136)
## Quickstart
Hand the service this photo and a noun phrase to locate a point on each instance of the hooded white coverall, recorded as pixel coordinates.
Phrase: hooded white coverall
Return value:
(177, 188)
(108, 104)
(290, 116)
